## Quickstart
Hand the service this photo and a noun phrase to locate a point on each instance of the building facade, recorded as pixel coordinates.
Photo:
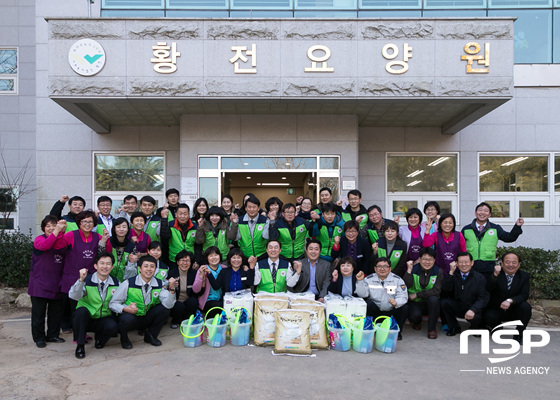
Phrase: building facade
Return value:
(405, 104)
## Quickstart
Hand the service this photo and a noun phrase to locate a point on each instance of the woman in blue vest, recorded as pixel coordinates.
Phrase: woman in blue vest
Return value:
(206, 283)
(424, 281)
(413, 233)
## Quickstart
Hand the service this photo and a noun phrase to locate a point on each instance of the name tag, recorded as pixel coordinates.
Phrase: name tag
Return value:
(391, 289)
(243, 278)
(189, 287)
(360, 256)
(375, 286)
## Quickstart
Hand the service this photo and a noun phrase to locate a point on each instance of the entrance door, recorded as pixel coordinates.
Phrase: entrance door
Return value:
(287, 186)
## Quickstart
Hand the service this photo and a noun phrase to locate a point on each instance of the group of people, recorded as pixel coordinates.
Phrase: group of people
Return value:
(110, 274)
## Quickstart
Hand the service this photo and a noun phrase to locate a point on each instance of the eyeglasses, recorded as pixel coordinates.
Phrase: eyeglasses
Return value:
(86, 222)
(382, 266)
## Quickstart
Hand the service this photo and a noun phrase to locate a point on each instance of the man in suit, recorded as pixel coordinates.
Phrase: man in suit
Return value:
(509, 291)
(271, 272)
(311, 273)
(469, 295)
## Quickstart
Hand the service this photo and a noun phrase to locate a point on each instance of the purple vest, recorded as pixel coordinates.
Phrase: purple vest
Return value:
(82, 255)
(446, 253)
(142, 245)
(45, 273)
(414, 247)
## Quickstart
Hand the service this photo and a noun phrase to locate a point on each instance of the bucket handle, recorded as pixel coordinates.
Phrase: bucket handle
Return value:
(191, 337)
(382, 317)
(214, 308)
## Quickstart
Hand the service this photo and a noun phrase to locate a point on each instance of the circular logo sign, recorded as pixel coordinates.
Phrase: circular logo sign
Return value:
(86, 57)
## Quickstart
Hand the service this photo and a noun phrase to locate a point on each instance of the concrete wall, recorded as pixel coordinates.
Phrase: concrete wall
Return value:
(529, 122)
(17, 112)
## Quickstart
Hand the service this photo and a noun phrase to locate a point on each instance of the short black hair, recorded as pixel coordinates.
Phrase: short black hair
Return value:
(413, 211)
(351, 224)
(183, 205)
(274, 240)
(271, 201)
(316, 241)
(144, 259)
(482, 205)
(330, 206)
(76, 198)
(148, 199)
(511, 252)
(48, 219)
(427, 250)
(288, 206)
(252, 199)
(171, 191)
(137, 214)
(432, 204)
(103, 255)
(392, 225)
(465, 254)
(327, 189)
(86, 214)
(355, 192)
(382, 259)
(375, 207)
(104, 198)
(131, 196)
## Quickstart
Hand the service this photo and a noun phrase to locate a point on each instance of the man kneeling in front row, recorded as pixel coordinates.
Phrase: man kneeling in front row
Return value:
(143, 303)
(93, 293)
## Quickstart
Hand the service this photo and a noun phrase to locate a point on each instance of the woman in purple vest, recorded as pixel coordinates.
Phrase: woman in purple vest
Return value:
(413, 234)
(82, 246)
(44, 282)
(447, 240)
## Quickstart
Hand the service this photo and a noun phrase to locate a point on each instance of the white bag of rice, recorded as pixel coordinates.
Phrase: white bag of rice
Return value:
(317, 328)
(292, 332)
(263, 317)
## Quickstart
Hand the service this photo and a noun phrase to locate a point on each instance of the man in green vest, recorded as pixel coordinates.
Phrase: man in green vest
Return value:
(143, 304)
(271, 272)
(178, 234)
(93, 293)
(424, 281)
(252, 232)
(355, 211)
(482, 237)
(291, 232)
(325, 228)
(76, 205)
(152, 225)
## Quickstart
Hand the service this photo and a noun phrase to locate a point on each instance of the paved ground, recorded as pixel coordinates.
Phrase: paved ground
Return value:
(419, 369)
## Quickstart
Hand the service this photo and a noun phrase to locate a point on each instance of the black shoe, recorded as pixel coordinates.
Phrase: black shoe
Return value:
(126, 344)
(518, 338)
(98, 344)
(55, 340)
(453, 331)
(148, 338)
(174, 326)
(399, 336)
(41, 344)
(80, 351)
(140, 332)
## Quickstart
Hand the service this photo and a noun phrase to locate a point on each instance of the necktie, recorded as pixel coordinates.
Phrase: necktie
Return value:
(509, 280)
(147, 294)
(101, 286)
(273, 272)
(480, 228)
(464, 276)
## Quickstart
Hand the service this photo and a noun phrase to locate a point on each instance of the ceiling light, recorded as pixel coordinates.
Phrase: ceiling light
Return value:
(284, 177)
(413, 183)
(514, 161)
(438, 161)
(248, 177)
(245, 163)
(417, 172)
(275, 184)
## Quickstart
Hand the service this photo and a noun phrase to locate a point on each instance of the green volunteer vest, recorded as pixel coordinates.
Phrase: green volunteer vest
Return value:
(135, 296)
(292, 248)
(395, 256)
(221, 242)
(119, 267)
(346, 217)
(266, 284)
(485, 249)
(92, 300)
(70, 225)
(151, 230)
(255, 246)
(326, 241)
(416, 288)
(99, 229)
(373, 235)
(176, 243)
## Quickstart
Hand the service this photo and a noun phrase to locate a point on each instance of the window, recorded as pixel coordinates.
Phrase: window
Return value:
(117, 175)
(415, 179)
(517, 185)
(8, 71)
(8, 208)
